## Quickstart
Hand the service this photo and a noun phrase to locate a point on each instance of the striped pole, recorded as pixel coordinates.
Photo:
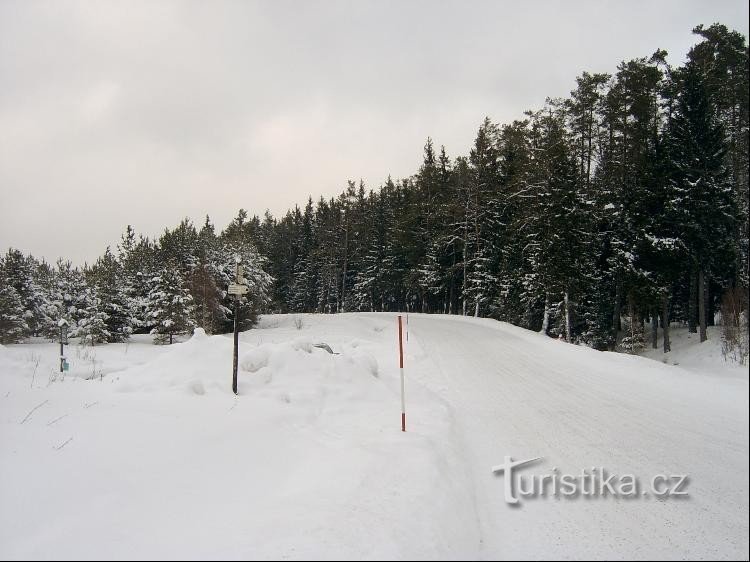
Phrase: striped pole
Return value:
(401, 368)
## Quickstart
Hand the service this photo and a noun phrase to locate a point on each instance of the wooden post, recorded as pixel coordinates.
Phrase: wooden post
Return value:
(702, 305)
(665, 321)
(63, 324)
(401, 369)
(236, 342)
(237, 297)
(62, 351)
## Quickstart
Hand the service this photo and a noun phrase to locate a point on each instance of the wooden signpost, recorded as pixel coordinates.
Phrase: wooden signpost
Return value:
(238, 288)
(63, 324)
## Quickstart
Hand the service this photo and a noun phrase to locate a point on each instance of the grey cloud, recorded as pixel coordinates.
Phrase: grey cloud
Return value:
(144, 112)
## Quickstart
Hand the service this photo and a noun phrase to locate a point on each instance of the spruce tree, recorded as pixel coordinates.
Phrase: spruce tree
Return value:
(700, 199)
(170, 305)
(12, 318)
(110, 282)
(91, 327)
(20, 271)
(722, 60)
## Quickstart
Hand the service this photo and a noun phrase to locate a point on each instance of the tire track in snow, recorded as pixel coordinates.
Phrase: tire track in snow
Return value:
(525, 396)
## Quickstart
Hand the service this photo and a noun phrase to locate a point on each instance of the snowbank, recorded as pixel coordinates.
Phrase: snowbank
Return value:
(161, 460)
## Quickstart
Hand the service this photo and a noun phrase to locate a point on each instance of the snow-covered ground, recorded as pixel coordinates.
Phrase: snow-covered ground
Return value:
(143, 451)
(688, 353)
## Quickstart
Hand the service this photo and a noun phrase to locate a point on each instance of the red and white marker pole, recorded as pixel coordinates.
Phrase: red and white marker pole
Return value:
(401, 368)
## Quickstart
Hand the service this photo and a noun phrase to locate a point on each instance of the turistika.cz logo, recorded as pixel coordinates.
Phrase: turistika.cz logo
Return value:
(590, 482)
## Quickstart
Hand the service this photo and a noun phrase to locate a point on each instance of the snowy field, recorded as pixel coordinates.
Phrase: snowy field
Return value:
(142, 451)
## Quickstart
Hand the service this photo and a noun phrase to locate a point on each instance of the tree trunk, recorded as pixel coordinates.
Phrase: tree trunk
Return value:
(692, 303)
(463, 291)
(450, 292)
(633, 323)
(702, 304)
(616, 315)
(465, 256)
(655, 329)
(665, 321)
(588, 155)
(545, 320)
(567, 317)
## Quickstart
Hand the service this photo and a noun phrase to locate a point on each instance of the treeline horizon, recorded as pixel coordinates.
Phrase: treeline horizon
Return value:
(625, 203)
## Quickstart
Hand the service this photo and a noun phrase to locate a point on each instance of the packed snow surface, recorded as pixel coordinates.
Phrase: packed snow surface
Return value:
(143, 451)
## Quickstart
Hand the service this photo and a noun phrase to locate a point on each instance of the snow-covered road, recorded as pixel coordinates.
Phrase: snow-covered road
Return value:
(520, 394)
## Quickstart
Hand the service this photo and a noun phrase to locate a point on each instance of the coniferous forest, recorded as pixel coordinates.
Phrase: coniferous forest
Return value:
(622, 206)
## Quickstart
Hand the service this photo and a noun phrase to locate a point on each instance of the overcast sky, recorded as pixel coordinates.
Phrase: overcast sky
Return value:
(116, 113)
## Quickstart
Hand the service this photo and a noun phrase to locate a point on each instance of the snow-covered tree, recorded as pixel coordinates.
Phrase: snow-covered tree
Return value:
(20, 271)
(92, 324)
(109, 280)
(701, 198)
(304, 288)
(170, 305)
(12, 315)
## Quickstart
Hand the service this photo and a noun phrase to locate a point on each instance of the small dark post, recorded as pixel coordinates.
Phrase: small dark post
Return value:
(236, 341)
(237, 291)
(63, 337)
(62, 351)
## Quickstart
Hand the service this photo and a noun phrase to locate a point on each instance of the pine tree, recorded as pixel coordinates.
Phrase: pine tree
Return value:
(44, 280)
(482, 206)
(68, 293)
(701, 199)
(515, 168)
(12, 318)
(110, 282)
(373, 281)
(92, 324)
(584, 111)
(304, 289)
(625, 178)
(140, 261)
(722, 61)
(170, 305)
(20, 271)
(180, 246)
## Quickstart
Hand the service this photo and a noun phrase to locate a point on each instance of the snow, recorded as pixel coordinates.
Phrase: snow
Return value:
(689, 354)
(142, 451)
